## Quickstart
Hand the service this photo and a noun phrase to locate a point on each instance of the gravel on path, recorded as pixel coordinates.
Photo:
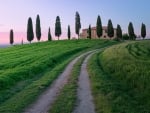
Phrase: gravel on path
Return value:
(84, 100)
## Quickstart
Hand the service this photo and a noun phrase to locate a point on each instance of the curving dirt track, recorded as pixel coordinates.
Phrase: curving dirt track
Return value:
(45, 100)
(85, 100)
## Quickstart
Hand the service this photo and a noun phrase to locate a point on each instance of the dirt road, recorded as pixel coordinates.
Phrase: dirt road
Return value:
(45, 100)
(85, 100)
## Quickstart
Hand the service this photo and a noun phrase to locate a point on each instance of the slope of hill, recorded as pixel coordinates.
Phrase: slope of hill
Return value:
(121, 78)
(25, 71)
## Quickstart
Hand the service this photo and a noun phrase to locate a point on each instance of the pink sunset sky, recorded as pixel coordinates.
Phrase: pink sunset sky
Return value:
(15, 13)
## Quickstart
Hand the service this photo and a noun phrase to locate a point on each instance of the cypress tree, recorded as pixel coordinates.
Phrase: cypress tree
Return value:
(110, 29)
(69, 32)
(99, 29)
(119, 32)
(131, 31)
(38, 28)
(77, 24)
(30, 34)
(49, 35)
(22, 41)
(89, 32)
(143, 30)
(58, 27)
(11, 37)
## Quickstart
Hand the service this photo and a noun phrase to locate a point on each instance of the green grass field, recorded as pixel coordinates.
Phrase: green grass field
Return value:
(25, 71)
(120, 78)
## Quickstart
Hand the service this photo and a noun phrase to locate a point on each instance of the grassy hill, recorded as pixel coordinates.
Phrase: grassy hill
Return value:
(26, 70)
(121, 78)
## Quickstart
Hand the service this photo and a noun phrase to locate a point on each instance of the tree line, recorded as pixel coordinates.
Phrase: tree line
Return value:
(58, 31)
(99, 30)
(119, 36)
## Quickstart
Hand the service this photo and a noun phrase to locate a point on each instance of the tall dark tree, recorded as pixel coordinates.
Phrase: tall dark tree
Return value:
(49, 35)
(131, 31)
(110, 29)
(99, 29)
(89, 32)
(69, 32)
(38, 28)
(143, 30)
(58, 27)
(119, 32)
(30, 34)
(77, 24)
(22, 41)
(11, 37)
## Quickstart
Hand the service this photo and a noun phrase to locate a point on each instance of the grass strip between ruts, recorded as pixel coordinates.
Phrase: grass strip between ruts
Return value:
(66, 100)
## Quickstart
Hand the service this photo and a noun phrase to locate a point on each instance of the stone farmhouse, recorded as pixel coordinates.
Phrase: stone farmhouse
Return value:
(84, 33)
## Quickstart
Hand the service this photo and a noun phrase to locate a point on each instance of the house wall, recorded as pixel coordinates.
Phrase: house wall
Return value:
(84, 33)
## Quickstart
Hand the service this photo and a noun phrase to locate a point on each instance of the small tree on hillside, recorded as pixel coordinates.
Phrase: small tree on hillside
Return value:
(125, 37)
(99, 29)
(49, 35)
(58, 27)
(30, 34)
(11, 37)
(131, 31)
(143, 30)
(77, 24)
(38, 28)
(22, 42)
(69, 33)
(89, 32)
(110, 29)
(119, 32)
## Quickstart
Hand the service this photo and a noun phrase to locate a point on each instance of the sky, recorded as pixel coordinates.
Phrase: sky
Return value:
(15, 13)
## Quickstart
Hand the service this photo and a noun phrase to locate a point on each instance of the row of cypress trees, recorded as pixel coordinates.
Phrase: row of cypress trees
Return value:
(110, 30)
(58, 32)
(30, 33)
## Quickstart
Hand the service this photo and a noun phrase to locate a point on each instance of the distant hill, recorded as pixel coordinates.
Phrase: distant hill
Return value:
(3, 46)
